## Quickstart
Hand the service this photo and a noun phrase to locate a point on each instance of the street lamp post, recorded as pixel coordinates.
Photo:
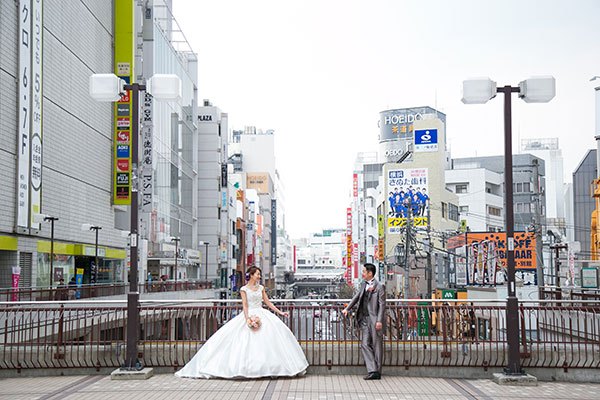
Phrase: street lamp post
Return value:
(37, 218)
(51, 219)
(176, 240)
(109, 87)
(206, 261)
(96, 228)
(533, 90)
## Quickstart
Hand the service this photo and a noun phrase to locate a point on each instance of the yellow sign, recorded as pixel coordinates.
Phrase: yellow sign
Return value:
(124, 44)
(401, 222)
(380, 226)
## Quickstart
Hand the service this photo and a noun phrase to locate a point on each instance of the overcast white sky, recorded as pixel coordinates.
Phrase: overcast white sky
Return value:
(318, 72)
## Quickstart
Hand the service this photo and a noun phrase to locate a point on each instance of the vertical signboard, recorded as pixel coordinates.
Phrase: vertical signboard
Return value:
(349, 246)
(24, 110)
(407, 197)
(36, 110)
(16, 274)
(273, 231)
(355, 259)
(146, 161)
(124, 41)
(146, 180)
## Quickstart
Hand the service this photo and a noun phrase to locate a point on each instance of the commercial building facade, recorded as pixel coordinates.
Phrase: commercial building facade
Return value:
(78, 150)
(583, 202)
(63, 142)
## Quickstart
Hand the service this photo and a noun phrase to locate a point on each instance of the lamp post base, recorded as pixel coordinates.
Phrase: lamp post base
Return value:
(504, 379)
(127, 375)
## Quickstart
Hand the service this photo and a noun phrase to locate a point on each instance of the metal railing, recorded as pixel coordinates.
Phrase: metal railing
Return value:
(428, 333)
(568, 293)
(62, 293)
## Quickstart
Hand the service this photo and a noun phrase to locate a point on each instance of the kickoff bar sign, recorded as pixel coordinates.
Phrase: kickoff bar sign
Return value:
(124, 42)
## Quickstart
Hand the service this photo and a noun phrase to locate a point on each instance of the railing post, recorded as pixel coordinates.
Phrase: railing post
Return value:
(59, 340)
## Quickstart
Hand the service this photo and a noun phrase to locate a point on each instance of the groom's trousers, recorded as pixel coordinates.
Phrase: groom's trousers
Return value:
(371, 346)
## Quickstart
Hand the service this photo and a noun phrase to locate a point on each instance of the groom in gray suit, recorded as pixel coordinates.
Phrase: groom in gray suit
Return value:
(371, 318)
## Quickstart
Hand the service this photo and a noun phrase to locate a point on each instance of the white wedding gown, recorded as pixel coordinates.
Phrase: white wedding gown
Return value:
(236, 351)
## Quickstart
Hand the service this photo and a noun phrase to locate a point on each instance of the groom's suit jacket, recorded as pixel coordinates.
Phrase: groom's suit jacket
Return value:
(375, 303)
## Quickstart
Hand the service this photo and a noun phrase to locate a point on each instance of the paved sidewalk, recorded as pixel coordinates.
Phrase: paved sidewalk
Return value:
(335, 387)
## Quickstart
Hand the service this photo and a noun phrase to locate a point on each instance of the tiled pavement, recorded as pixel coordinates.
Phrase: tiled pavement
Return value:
(335, 387)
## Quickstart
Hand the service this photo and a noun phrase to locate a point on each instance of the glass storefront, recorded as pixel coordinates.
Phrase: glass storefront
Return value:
(65, 266)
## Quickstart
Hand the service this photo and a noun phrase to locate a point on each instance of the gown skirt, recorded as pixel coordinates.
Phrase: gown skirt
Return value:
(236, 351)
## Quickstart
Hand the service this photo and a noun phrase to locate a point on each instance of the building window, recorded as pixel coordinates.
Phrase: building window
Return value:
(495, 211)
(463, 209)
(444, 210)
(461, 188)
(524, 208)
(522, 187)
(452, 212)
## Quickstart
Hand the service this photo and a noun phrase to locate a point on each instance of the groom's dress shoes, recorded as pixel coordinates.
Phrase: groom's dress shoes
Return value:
(373, 376)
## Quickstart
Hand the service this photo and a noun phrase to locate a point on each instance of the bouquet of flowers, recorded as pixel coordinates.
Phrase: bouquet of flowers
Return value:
(254, 322)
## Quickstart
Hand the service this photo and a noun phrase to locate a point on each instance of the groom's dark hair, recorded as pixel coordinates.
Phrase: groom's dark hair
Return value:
(371, 268)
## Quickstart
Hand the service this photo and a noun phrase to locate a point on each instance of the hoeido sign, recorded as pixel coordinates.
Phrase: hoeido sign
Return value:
(396, 119)
(398, 123)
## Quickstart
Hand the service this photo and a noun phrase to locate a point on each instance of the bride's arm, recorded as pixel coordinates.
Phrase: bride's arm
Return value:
(245, 304)
(271, 305)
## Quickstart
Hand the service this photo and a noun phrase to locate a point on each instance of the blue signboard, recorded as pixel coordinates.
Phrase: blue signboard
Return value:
(123, 151)
(426, 140)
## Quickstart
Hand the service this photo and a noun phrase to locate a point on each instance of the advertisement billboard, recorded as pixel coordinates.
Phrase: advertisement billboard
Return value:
(349, 247)
(123, 42)
(36, 110)
(273, 231)
(407, 196)
(398, 123)
(485, 256)
(24, 145)
(259, 182)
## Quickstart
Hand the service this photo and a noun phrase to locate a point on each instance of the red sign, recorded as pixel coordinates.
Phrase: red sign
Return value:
(355, 185)
(123, 164)
(123, 137)
(294, 259)
(123, 122)
(16, 274)
(125, 97)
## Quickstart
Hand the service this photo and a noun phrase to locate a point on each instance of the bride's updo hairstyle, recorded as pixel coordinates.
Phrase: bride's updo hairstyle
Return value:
(251, 271)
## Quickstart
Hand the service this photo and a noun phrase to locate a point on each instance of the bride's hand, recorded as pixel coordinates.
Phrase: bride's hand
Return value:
(285, 314)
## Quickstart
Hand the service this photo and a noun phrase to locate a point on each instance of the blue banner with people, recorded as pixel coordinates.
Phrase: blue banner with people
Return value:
(408, 197)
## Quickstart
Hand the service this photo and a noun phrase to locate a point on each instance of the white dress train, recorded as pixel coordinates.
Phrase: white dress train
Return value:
(236, 351)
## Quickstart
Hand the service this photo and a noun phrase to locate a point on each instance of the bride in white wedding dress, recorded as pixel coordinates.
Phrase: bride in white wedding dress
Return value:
(238, 350)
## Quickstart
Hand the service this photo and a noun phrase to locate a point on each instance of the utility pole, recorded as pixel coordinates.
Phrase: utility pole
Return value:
(429, 271)
(407, 249)
(557, 248)
(406, 269)
(538, 226)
